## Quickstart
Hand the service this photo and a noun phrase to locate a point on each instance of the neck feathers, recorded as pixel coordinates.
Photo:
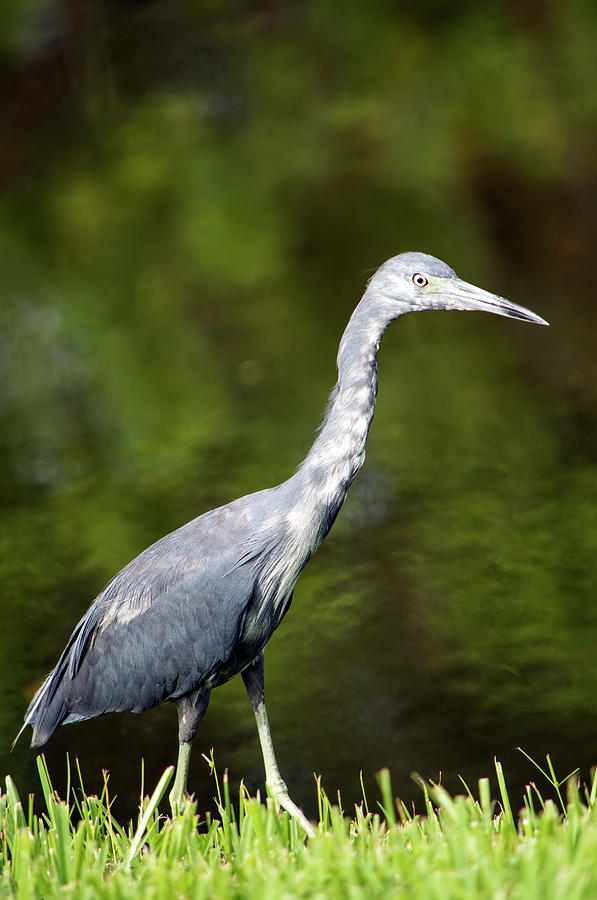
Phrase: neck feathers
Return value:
(339, 450)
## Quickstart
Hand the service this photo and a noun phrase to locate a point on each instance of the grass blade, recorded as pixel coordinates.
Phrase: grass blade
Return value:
(144, 820)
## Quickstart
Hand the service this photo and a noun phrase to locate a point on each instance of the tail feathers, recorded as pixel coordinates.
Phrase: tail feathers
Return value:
(46, 711)
(49, 717)
(21, 730)
(49, 708)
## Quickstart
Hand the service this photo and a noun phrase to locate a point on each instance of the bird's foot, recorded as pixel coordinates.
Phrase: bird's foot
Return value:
(279, 792)
(178, 802)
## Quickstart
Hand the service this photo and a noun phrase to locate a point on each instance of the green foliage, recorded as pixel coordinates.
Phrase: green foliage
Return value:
(194, 196)
(461, 847)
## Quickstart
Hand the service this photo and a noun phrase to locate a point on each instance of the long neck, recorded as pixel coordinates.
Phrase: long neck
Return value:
(339, 450)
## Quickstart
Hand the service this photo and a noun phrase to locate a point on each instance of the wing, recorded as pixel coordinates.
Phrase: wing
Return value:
(164, 625)
(177, 643)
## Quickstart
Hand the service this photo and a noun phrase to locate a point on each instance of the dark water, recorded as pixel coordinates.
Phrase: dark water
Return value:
(193, 202)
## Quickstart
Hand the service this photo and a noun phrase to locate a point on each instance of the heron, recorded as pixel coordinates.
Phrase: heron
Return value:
(198, 606)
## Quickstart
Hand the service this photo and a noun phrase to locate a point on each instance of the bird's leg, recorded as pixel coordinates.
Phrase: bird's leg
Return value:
(254, 683)
(191, 709)
(179, 789)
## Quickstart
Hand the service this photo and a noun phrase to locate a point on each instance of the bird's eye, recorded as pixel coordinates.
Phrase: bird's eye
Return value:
(420, 280)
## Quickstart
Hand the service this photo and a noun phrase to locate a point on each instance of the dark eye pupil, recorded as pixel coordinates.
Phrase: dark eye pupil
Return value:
(419, 280)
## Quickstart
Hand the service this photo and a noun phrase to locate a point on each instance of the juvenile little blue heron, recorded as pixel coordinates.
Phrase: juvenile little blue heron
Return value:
(199, 606)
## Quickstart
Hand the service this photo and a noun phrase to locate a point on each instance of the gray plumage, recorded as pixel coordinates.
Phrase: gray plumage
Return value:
(199, 605)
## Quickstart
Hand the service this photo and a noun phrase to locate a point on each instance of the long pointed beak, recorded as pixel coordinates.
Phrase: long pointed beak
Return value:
(461, 295)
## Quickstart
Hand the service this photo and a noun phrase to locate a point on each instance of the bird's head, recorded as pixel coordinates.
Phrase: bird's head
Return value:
(416, 281)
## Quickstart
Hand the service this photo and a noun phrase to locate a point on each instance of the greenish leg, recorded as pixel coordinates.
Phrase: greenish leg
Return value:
(273, 779)
(253, 679)
(178, 793)
(191, 708)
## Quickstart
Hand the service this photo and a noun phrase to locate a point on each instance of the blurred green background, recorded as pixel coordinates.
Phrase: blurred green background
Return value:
(193, 197)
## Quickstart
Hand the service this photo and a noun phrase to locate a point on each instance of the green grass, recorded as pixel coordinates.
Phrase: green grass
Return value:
(465, 846)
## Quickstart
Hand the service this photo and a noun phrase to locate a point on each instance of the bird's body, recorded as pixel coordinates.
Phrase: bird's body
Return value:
(198, 606)
(194, 609)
